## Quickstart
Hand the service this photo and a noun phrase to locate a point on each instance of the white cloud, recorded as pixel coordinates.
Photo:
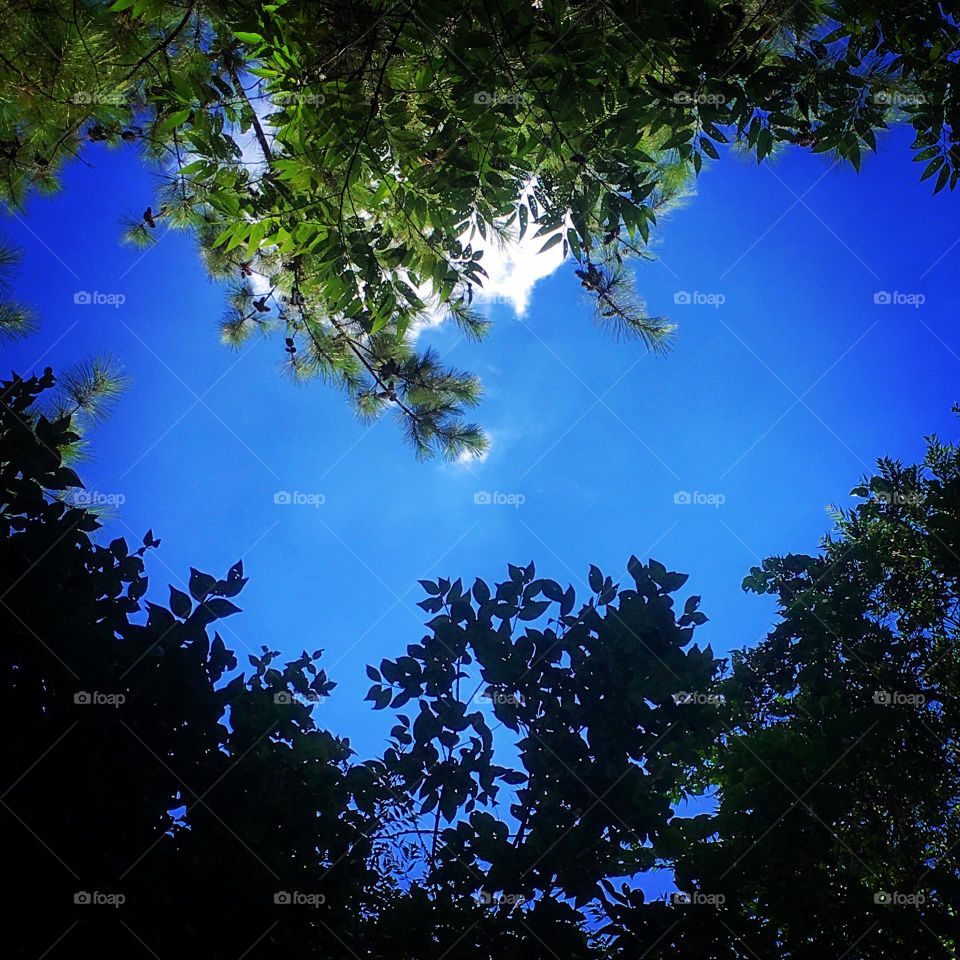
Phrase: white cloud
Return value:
(514, 269)
(468, 459)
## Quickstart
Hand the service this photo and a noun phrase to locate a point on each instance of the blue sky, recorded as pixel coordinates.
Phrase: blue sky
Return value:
(774, 401)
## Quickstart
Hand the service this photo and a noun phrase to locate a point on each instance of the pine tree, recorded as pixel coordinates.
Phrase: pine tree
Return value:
(16, 319)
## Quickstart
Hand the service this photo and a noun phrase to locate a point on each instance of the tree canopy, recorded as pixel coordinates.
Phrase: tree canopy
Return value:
(840, 763)
(347, 170)
(392, 145)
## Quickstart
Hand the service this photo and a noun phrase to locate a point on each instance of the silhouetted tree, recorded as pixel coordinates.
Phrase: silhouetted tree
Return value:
(539, 758)
(838, 777)
(154, 793)
(133, 769)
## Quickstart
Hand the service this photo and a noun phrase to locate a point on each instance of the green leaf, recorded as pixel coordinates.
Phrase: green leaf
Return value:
(942, 179)
(709, 149)
(552, 242)
(932, 168)
(175, 120)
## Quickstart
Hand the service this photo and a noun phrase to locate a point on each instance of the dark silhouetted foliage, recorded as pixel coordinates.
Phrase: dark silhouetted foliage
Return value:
(158, 800)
